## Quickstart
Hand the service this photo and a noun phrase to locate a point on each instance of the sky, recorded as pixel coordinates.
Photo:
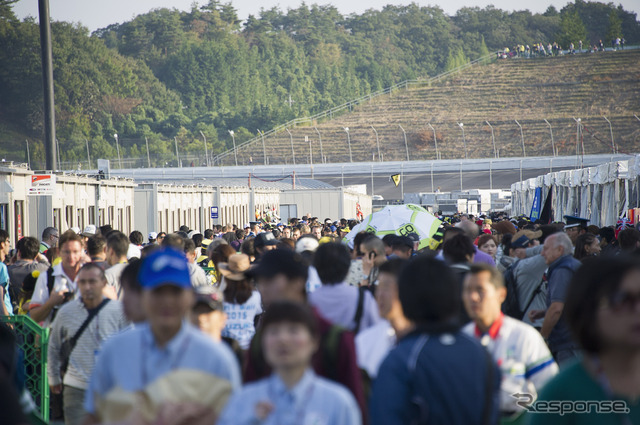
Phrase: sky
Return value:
(99, 14)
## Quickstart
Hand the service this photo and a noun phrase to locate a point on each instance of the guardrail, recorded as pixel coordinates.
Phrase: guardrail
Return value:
(349, 105)
(32, 342)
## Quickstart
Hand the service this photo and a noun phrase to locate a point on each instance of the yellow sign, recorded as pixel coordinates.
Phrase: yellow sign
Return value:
(396, 179)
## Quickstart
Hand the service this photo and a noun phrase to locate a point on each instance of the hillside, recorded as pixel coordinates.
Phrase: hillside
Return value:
(171, 79)
(558, 89)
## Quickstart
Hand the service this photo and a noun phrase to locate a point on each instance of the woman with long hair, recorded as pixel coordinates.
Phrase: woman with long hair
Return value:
(242, 302)
(587, 245)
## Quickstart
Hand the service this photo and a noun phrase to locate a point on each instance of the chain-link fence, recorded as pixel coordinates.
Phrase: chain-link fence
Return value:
(32, 342)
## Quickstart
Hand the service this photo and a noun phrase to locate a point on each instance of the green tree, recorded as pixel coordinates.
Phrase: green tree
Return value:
(614, 30)
(572, 29)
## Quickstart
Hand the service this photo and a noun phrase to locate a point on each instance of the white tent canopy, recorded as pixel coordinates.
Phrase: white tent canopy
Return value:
(601, 193)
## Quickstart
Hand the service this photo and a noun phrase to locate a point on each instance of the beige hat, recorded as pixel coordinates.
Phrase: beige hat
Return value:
(530, 234)
(236, 267)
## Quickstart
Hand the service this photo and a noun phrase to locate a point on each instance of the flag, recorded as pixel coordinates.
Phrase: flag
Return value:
(546, 214)
(396, 179)
(537, 203)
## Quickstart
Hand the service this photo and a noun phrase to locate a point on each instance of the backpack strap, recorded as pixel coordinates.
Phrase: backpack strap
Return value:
(50, 279)
(255, 353)
(359, 309)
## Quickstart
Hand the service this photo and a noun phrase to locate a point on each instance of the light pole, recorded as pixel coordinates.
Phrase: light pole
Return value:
(175, 140)
(88, 156)
(115, 136)
(320, 140)
(206, 152)
(406, 146)
(377, 143)
(493, 140)
(578, 123)
(435, 142)
(346, 129)
(524, 154)
(29, 155)
(293, 153)
(264, 148)
(235, 152)
(461, 125)
(613, 146)
(146, 141)
(306, 139)
(553, 144)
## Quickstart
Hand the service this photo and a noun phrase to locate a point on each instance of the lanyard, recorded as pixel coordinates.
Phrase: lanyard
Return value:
(174, 362)
(301, 413)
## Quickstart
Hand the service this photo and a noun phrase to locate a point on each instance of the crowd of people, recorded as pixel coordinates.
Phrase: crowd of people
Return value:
(499, 319)
(554, 49)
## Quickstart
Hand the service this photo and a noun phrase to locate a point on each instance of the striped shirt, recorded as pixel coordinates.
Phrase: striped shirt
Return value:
(109, 321)
(522, 356)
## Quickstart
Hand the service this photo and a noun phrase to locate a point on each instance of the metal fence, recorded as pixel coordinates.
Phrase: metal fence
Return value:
(32, 342)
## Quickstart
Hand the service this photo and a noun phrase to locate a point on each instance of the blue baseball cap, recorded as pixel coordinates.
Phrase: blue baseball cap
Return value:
(165, 266)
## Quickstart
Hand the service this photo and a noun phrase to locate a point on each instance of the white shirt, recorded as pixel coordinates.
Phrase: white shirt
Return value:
(60, 283)
(240, 319)
(313, 281)
(372, 346)
(522, 356)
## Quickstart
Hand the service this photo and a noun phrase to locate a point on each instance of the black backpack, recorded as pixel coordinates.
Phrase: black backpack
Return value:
(511, 305)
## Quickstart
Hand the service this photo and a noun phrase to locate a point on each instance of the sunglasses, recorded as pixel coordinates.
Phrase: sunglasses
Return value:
(624, 301)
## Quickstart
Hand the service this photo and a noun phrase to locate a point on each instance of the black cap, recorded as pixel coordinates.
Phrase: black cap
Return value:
(402, 241)
(279, 261)
(521, 242)
(265, 239)
(414, 237)
(573, 221)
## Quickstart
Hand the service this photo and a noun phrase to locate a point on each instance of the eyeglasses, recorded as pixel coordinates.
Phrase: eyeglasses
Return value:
(624, 301)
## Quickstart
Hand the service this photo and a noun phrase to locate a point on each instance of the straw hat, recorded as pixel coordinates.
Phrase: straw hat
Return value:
(236, 267)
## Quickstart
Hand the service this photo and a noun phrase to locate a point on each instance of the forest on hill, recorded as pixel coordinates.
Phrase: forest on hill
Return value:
(172, 76)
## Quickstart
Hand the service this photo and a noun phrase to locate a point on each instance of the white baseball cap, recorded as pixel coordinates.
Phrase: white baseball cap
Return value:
(306, 244)
(90, 230)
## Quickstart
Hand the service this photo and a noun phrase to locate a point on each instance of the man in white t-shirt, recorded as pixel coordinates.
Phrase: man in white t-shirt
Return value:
(46, 301)
(117, 248)
(518, 349)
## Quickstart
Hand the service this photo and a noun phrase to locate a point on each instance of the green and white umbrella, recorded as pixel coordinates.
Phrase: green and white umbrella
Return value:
(398, 220)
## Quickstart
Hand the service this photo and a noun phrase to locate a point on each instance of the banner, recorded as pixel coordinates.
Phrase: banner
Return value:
(537, 204)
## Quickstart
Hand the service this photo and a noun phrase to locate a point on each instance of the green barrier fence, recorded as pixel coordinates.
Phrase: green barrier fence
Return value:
(32, 340)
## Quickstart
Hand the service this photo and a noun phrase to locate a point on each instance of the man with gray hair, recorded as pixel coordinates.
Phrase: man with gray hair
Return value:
(50, 236)
(557, 253)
